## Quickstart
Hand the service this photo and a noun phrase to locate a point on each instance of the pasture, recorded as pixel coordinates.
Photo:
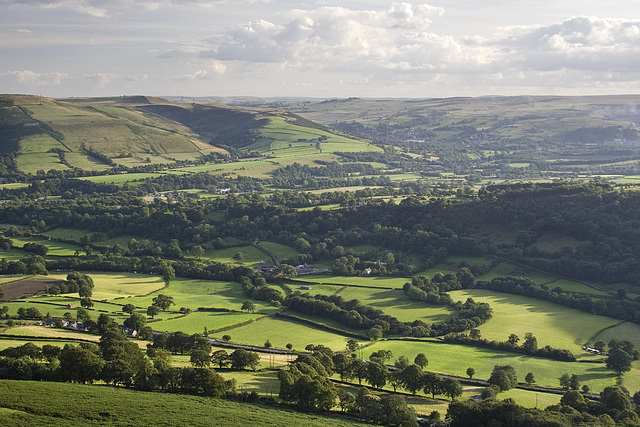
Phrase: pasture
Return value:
(455, 359)
(197, 321)
(373, 281)
(194, 293)
(623, 331)
(22, 403)
(251, 255)
(55, 248)
(552, 324)
(280, 332)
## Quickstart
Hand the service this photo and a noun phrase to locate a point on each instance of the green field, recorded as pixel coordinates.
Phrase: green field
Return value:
(455, 359)
(251, 255)
(552, 324)
(22, 404)
(623, 331)
(376, 282)
(279, 250)
(55, 248)
(195, 322)
(281, 332)
(395, 303)
(194, 293)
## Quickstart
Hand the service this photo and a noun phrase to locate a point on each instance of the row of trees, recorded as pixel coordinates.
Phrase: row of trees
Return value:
(116, 361)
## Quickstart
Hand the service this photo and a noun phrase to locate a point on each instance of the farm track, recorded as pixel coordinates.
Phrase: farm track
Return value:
(274, 259)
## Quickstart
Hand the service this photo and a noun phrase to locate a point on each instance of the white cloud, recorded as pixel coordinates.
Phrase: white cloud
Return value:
(31, 78)
(579, 43)
(101, 80)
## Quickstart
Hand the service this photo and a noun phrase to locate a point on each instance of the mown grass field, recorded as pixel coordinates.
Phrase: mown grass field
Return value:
(250, 254)
(376, 282)
(455, 359)
(196, 322)
(194, 293)
(281, 332)
(55, 248)
(552, 324)
(395, 303)
(22, 404)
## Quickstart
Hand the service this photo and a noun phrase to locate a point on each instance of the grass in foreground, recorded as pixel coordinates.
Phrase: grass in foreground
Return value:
(22, 404)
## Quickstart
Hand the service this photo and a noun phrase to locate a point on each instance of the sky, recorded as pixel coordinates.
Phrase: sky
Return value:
(321, 49)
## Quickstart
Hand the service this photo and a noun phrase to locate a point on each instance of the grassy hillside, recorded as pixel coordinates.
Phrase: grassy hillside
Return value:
(22, 404)
(98, 133)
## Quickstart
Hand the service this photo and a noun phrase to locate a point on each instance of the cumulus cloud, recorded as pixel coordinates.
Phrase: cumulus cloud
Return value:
(578, 43)
(28, 77)
(339, 38)
(101, 80)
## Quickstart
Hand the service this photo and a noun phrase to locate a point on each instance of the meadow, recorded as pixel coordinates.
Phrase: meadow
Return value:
(551, 324)
(22, 404)
(281, 332)
(455, 359)
(55, 248)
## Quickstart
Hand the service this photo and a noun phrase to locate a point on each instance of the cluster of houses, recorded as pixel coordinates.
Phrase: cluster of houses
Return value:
(78, 326)
(301, 270)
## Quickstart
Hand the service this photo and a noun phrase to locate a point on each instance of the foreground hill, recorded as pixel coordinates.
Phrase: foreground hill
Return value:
(22, 404)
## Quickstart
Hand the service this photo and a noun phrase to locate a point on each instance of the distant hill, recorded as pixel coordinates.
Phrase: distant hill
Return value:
(41, 134)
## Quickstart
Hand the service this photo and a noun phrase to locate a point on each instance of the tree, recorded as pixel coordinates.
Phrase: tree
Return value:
(241, 358)
(163, 302)
(352, 345)
(513, 340)
(79, 364)
(619, 360)
(421, 360)
(504, 377)
(432, 383)
(574, 399)
(401, 363)
(267, 344)
(249, 306)
(238, 256)
(574, 382)
(474, 334)
(153, 311)
(375, 333)
(530, 343)
(359, 369)
(221, 358)
(136, 321)
(197, 251)
(529, 378)
(452, 388)
(86, 302)
(412, 378)
(377, 374)
(168, 273)
(200, 358)
(226, 338)
(82, 314)
(342, 365)
(128, 308)
(471, 372)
